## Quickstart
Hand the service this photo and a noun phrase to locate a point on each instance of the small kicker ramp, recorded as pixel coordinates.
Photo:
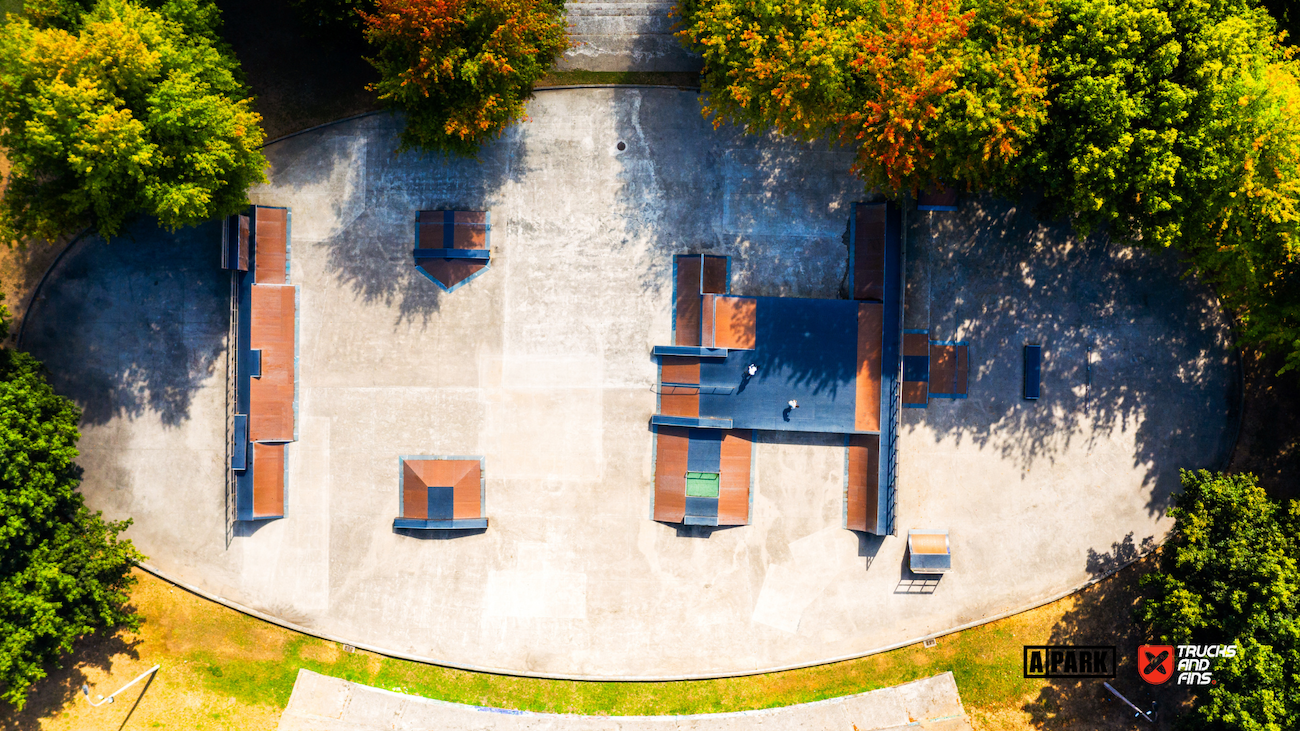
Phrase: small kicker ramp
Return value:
(322, 703)
(452, 247)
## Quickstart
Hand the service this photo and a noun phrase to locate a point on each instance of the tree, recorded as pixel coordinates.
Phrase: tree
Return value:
(1176, 123)
(119, 112)
(1228, 575)
(64, 571)
(461, 70)
(926, 90)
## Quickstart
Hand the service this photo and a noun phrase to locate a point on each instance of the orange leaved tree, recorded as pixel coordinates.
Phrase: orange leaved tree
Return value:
(461, 70)
(926, 90)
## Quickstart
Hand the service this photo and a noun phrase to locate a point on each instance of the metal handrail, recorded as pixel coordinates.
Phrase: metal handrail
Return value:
(85, 689)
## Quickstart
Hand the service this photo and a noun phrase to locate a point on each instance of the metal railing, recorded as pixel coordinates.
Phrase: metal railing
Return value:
(232, 369)
(891, 452)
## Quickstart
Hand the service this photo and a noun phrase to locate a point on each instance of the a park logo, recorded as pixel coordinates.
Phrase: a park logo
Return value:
(1155, 663)
(1069, 661)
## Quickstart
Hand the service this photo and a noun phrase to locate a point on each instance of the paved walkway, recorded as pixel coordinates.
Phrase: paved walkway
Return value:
(322, 703)
(541, 365)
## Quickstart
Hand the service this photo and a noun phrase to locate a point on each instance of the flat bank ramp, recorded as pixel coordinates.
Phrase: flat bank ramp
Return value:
(322, 703)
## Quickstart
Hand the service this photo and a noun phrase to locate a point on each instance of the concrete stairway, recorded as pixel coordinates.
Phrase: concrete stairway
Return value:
(624, 36)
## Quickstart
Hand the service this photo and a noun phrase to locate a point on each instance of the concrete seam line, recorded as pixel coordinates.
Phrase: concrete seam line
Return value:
(22, 326)
(624, 679)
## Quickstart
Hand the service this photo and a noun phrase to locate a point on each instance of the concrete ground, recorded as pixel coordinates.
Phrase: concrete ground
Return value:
(541, 365)
(322, 703)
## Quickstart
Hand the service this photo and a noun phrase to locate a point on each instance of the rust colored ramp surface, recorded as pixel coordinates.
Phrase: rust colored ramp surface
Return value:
(734, 322)
(674, 369)
(869, 251)
(679, 401)
(871, 328)
(268, 480)
(916, 344)
(463, 476)
(715, 278)
(467, 492)
(272, 245)
(271, 396)
(415, 493)
(686, 313)
(450, 272)
(733, 493)
(916, 393)
(863, 476)
(948, 370)
(671, 448)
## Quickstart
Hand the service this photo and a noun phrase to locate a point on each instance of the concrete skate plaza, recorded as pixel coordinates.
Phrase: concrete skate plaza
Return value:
(542, 366)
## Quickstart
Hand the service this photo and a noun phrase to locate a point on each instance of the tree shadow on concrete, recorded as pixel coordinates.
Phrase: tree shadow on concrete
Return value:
(135, 325)
(779, 208)
(1103, 615)
(63, 685)
(357, 197)
(1162, 363)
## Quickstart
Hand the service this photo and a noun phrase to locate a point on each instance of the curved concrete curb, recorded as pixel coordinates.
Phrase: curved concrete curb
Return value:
(323, 703)
(614, 678)
(22, 326)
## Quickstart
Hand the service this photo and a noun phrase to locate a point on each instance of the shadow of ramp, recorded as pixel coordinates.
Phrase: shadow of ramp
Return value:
(136, 325)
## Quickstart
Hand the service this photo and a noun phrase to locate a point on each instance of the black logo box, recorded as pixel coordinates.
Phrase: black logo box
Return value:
(1069, 661)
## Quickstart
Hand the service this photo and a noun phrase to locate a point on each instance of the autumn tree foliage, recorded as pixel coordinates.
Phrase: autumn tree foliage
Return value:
(461, 70)
(926, 90)
(117, 111)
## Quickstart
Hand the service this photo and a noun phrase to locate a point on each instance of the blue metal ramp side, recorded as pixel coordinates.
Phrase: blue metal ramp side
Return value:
(1033, 370)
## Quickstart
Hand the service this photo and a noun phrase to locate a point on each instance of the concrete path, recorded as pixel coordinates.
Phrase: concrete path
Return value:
(322, 703)
(542, 366)
(625, 36)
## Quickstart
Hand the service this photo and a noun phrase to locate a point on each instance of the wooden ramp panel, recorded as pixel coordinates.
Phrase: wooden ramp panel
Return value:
(714, 280)
(734, 322)
(467, 491)
(674, 369)
(671, 445)
(272, 246)
(270, 410)
(869, 252)
(963, 369)
(679, 401)
(862, 492)
(871, 343)
(450, 272)
(268, 480)
(708, 320)
(470, 230)
(687, 307)
(415, 494)
(948, 370)
(733, 490)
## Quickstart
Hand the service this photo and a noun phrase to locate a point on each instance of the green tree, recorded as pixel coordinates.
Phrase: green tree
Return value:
(119, 112)
(461, 70)
(1228, 575)
(926, 90)
(64, 571)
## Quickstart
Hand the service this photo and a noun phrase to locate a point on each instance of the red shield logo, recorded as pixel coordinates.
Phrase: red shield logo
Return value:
(1155, 663)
